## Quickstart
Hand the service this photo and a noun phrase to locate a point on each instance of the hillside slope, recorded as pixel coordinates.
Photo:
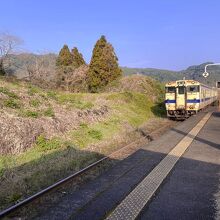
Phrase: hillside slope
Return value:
(19, 64)
(46, 135)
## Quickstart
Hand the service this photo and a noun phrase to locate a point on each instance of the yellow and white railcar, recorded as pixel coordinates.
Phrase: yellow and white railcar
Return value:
(186, 97)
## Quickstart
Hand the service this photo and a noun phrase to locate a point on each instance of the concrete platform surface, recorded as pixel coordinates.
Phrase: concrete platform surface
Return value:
(190, 191)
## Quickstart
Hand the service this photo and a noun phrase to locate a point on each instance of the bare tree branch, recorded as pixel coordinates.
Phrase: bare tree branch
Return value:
(8, 45)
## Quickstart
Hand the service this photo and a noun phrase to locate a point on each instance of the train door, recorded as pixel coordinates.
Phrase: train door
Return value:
(181, 97)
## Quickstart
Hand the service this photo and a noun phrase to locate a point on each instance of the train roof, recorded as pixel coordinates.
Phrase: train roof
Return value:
(187, 82)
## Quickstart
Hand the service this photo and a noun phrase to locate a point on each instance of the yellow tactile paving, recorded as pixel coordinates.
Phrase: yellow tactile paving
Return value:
(132, 205)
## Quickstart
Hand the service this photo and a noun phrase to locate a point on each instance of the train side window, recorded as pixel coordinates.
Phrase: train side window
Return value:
(192, 88)
(170, 89)
(181, 90)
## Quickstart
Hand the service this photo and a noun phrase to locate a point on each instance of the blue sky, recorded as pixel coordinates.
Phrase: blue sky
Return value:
(169, 34)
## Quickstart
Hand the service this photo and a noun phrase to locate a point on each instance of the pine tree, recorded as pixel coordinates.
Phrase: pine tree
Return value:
(104, 66)
(65, 57)
(77, 58)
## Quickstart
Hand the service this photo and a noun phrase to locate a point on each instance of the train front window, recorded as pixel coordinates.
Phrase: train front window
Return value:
(170, 89)
(181, 90)
(192, 88)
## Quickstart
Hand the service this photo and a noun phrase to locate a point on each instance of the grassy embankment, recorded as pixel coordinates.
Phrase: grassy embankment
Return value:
(52, 156)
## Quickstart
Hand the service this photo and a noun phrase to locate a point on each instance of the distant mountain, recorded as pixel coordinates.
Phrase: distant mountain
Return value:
(196, 71)
(158, 74)
(19, 64)
(193, 72)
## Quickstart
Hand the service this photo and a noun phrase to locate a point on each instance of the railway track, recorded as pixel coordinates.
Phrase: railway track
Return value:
(29, 200)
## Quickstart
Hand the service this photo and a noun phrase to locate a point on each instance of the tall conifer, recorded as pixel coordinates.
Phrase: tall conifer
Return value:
(104, 66)
(77, 58)
(65, 57)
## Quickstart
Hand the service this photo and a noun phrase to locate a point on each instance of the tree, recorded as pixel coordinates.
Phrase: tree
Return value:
(37, 69)
(77, 58)
(104, 66)
(8, 46)
(65, 57)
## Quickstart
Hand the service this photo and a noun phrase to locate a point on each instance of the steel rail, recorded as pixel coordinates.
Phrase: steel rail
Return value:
(46, 190)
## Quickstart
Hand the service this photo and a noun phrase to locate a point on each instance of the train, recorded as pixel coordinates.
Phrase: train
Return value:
(184, 98)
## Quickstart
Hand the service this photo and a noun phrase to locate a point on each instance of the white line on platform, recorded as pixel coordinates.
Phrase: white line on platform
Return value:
(132, 205)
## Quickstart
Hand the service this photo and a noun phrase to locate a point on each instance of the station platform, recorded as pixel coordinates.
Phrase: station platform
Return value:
(192, 190)
(174, 177)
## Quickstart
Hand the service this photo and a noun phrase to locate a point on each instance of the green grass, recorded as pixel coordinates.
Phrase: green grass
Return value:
(135, 108)
(52, 95)
(9, 93)
(35, 103)
(95, 134)
(46, 145)
(39, 167)
(74, 101)
(12, 103)
(132, 108)
(32, 90)
(29, 113)
(36, 114)
(49, 112)
(91, 134)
